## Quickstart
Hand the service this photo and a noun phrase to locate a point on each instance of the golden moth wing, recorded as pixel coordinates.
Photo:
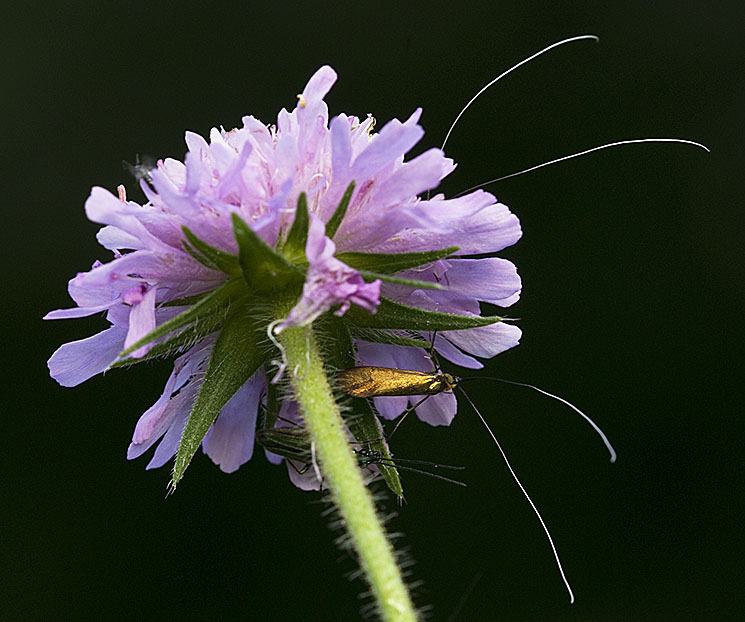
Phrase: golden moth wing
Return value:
(384, 381)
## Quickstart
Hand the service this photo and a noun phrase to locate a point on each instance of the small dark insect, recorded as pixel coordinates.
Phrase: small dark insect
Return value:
(140, 170)
(294, 444)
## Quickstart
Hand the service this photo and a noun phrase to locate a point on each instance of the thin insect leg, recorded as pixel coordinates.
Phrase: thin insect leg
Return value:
(434, 465)
(292, 423)
(301, 471)
(464, 598)
(432, 353)
(406, 413)
(404, 467)
(368, 457)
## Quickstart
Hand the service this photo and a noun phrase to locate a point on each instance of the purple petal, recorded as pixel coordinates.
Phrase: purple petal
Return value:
(167, 447)
(388, 146)
(154, 422)
(272, 457)
(486, 341)
(106, 282)
(438, 409)
(490, 280)
(319, 85)
(173, 406)
(341, 147)
(141, 322)
(422, 173)
(304, 481)
(475, 223)
(77, 361)
(114, 239)
(391, 407)
(76, 312)
(105, 208)
(230, 441)
(446, 349)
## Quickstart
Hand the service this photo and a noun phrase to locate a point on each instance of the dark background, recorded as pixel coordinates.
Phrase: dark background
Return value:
(632, 305)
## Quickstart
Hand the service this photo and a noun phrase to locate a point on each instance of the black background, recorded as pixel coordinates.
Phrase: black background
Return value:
(632, 305)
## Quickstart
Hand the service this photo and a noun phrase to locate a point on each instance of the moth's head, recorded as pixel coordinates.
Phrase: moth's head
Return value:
(450, 381)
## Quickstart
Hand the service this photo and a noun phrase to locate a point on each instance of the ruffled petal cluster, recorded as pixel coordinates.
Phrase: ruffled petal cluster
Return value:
(258, 172)
(329, 282)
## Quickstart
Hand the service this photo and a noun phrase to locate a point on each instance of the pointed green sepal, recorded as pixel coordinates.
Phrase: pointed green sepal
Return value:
(209, 256)
(207, 306)
(186, 301)
(235, 357)
(387, 278)
(263, 268)
(332, 226)
(194, 333)
(394, 315)
(294, 247)
(363, 424)
(390, 263)
(389, 338)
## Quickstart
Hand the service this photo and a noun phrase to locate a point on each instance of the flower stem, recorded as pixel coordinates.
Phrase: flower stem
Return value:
(342, 475)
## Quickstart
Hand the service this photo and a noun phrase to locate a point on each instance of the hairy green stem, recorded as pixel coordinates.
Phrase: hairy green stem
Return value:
(342, 475)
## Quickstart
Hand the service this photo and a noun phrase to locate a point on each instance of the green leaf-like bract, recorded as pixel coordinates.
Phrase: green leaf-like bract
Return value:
(294, 246)
(390, 263)
(192, 334)
(364, 426)
(389, 338)
(207, 306)
(209, 256)
(332, 225)
(371, 276)
(235, 357)
(394, 315)
(263, 268)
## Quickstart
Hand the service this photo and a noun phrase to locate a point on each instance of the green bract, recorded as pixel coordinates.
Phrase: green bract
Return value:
(237, 313)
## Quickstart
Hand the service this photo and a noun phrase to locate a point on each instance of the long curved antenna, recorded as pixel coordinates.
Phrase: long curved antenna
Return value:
(510, 70)
(594, 425)
(618, 143)
(527, 496)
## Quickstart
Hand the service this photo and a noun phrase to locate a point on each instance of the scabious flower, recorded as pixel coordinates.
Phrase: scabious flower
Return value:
(325, 215)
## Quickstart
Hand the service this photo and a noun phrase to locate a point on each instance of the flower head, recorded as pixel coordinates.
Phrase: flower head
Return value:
(325, 214)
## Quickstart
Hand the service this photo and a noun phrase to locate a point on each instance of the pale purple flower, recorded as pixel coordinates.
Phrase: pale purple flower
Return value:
(258, 173)
(329, 282)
